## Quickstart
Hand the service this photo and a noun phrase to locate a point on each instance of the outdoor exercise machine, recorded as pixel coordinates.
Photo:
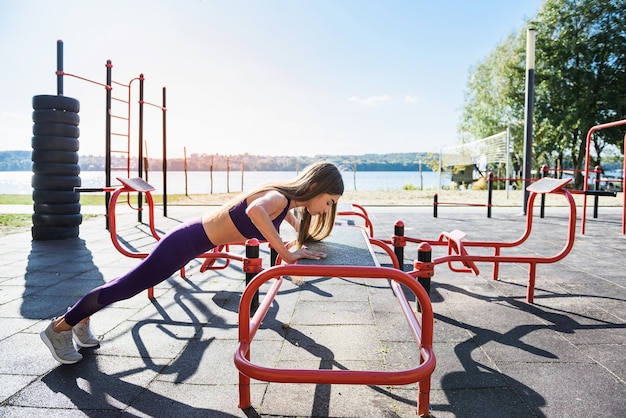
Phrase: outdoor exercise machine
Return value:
(422, 330)
(458, 257)
(356, 242)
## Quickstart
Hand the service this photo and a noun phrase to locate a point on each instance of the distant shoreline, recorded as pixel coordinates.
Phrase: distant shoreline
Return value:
(500, 198)
(390, 198)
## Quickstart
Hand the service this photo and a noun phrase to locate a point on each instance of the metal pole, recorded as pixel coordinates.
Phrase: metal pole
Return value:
(545, 171)
(164, 110)
(227, 174)
(399, 242)
(596, 198)
(59, 68)
(530, 93)
(107, 139)
(421, 176)
(507, 182)
(140, 155)
(242, 173)
(185, 170)
(252, 266)
(424, 255)
(489, 193)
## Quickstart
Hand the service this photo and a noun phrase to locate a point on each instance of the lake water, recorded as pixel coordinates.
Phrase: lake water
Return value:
(199, 182)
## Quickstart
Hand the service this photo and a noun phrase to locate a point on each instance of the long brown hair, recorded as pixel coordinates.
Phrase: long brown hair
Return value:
(320, 177)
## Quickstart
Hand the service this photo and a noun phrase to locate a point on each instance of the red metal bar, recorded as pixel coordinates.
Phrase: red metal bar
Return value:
(381, 244)
(361, 213)
(588, 160)
(532, 261)
(422, 332)
(459, 253)
(63, 73)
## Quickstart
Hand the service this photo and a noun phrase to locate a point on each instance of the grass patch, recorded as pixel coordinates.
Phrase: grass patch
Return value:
(12, 223)
(15, 199)
(15, 220)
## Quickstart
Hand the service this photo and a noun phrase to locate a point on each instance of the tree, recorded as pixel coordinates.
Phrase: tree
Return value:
(492, 99)
(581, 76)
(580, 81)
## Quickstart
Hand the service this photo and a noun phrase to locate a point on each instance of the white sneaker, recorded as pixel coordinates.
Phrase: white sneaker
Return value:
(60, 345)
(83, 337)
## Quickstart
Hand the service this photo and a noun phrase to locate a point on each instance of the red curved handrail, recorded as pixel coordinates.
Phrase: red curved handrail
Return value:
(361, 213)
(588, 160)
(422, 332)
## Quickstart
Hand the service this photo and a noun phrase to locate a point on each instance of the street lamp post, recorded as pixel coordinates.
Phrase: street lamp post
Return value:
(530, 94)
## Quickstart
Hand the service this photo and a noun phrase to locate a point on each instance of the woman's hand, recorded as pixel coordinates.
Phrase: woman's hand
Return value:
(304, 252)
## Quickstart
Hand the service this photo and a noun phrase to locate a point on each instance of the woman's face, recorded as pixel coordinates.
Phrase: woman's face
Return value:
(322, 203)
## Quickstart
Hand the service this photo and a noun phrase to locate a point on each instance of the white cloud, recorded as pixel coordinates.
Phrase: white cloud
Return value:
(410, 99)
(370, 101)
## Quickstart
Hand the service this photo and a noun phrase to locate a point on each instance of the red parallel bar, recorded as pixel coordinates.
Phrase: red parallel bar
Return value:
(422, 332)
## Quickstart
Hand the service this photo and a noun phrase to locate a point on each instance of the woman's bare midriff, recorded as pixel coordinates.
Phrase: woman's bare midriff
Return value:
(220, 229)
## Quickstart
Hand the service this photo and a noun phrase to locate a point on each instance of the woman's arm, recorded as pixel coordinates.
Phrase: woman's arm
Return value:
(261, 211)
(293, 221)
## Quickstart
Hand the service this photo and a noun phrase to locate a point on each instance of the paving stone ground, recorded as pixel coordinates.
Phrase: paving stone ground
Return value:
(497, 355)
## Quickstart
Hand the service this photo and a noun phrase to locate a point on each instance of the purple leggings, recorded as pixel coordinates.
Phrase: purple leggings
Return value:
(179, 246)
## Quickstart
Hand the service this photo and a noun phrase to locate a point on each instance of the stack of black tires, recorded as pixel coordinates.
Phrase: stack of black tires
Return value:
(55, 168)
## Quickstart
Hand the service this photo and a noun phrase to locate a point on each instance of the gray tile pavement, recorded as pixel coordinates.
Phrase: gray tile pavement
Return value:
(497, 356)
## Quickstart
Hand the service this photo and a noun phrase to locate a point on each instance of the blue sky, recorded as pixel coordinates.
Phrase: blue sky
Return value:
(280, 77)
